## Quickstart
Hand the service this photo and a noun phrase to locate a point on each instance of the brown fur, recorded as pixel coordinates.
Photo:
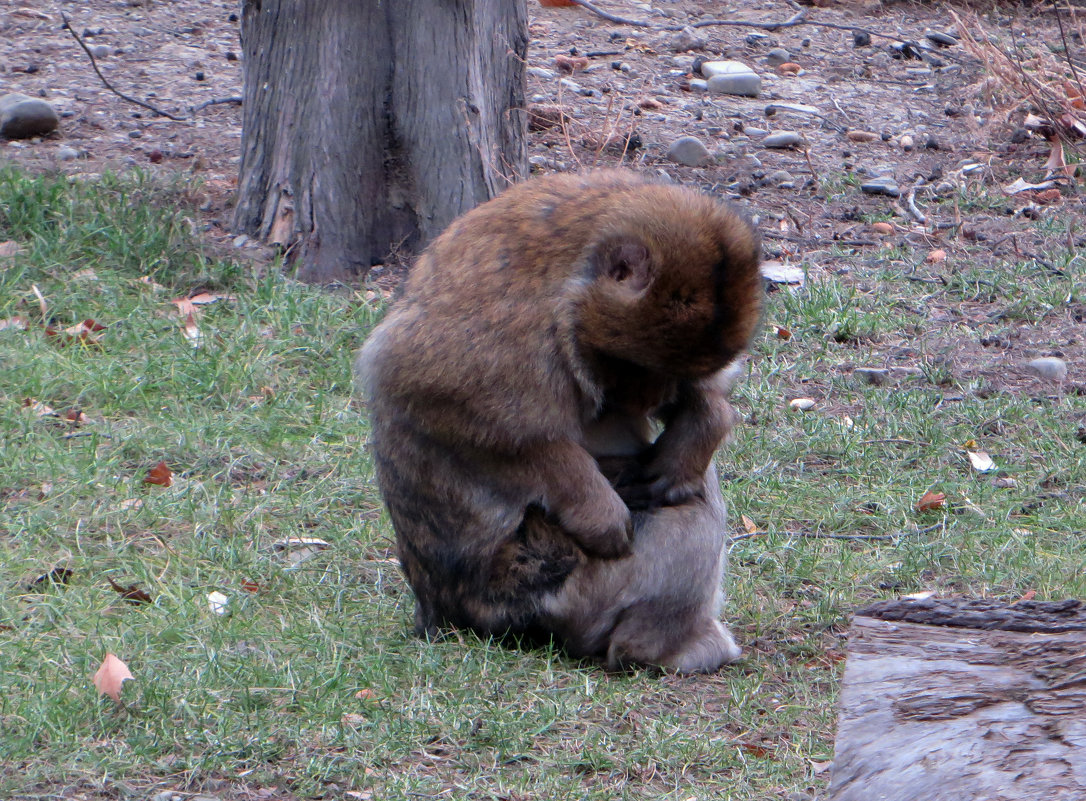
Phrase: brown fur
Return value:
(542, 331)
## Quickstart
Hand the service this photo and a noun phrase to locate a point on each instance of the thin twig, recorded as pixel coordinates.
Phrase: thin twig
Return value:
(910, 203)
(216, 102)
(611, 17)
(108, 85)
(818, 535)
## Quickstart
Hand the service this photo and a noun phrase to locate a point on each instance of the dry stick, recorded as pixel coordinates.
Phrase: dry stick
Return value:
(108, 85)
(910, 203)
(818, 535)
(1067, 50)
(799, 18)
(216, 102)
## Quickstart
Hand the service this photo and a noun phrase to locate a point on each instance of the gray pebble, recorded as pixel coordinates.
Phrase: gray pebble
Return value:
(940, 38)
(67, 153)
(100, 50)
(1049, 368)
(777, 56)
(541, 73)
(690, 151)
(688, 39)
(750, 130)
(782, 139)
(875, 376)
(699, 85)
(782, 178)
(744, 84)
(240, 241)
(861, 38)
(23, 117)
(711, 68)
(881, 186)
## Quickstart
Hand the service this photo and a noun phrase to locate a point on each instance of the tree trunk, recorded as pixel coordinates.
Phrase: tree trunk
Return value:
(370, 124)
(957, 700)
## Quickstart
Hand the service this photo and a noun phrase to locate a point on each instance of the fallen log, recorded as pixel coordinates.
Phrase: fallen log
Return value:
(963, 700)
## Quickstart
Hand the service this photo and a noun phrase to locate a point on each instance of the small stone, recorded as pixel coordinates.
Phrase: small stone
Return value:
(712, 68)
(746, 84)
(1019, 135)
(806, 42)
(876, 376)
(23, 117)
(100, 50)
(1049, 368)
(689, 151)
(231, 55)
(861, 38)
(777, 56)
(750, 130)
(782, 179)
(155, 156)
(940, 38)
(782, 139)
(861, 136)
(906, 143)
(67, 153)
(801, 404)
(931, 143)
(688, 39)
(756, 38)
(240, 241)
(881, 186)
(199, 75)
(541, 73)
(699, 85)
(1004, 483)
(903, 51)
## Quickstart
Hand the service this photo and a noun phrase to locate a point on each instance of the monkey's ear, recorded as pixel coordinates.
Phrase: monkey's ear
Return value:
(624, 260)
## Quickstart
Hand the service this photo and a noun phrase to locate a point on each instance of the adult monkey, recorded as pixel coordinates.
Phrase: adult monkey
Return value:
(514, 390)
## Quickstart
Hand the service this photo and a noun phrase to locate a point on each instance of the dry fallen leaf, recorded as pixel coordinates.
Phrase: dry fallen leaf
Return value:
(110, 676)
(882, 228)
(931, 500)
(862, 136)
(38, 409)
(783, 333)
(749, 525)
(160, 475)
(1029, 595)
(936, 257)
(13, 322)
(192, 332)
(981, 461)
(132, 593)
(10, 248)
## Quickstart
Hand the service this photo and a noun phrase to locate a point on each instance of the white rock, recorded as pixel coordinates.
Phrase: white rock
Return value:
(689, 150)
(712, 68)
(1049, 368)
(801, 404)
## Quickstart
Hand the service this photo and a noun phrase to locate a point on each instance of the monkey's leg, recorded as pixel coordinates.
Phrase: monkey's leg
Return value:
(660, 605)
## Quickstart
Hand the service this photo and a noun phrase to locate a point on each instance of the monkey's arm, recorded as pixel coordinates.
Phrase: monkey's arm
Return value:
(695, 425)
(582, 499)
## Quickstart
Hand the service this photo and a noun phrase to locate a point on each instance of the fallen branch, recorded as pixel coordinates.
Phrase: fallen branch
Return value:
(216, 102)
(910, 203)
(108, 85)
(818, 535)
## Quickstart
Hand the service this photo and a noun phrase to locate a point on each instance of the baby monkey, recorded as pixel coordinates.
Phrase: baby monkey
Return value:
(514, 391)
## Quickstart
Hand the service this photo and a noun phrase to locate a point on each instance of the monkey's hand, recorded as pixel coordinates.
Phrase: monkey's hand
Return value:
(587, 507)
(675, 464)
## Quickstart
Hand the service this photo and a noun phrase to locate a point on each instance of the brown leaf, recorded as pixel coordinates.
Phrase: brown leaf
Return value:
(936, 257)
(55, 577)
(1029, 595)
(13, 322)
(160, 474)
(132, 593)
(10, 248)
(882, 228)
(192, 331)
(569, 64)
(862, 136)
(789, 68)
(931, 500)
(783, 333)
(110, 676)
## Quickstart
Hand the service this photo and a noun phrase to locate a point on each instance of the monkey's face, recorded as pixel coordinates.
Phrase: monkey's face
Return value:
(680, 300)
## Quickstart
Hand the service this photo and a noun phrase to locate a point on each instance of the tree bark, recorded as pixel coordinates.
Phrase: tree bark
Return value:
(369, 125)
(957, 700)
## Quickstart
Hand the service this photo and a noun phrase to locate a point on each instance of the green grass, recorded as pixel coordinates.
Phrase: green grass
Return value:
(312, 686)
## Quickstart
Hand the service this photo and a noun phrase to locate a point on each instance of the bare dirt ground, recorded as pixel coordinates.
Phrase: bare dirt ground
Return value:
(635, 80)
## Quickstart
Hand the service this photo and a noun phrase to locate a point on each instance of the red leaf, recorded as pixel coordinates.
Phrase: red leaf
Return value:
(931, 500)
(160, 474)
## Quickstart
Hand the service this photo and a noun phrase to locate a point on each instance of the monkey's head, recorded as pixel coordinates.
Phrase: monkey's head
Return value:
(672, 283)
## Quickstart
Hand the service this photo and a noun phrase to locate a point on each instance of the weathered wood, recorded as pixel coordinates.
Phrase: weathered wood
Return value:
(986, 704)
(368, 126)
